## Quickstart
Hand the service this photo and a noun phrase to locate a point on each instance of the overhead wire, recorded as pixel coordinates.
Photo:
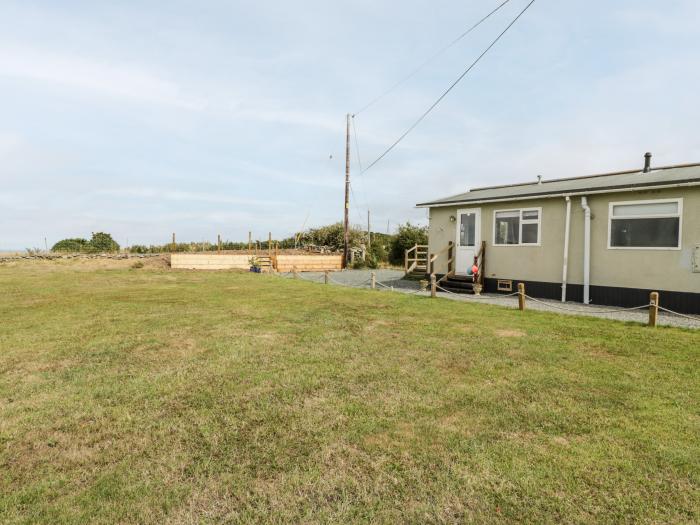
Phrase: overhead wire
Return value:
(357, 143)
(354, 204)
(359, 163)
(430, 59)
(449, 89)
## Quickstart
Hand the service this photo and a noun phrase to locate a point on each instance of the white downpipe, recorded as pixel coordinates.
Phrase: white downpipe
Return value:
(586, 250)
(565, 270)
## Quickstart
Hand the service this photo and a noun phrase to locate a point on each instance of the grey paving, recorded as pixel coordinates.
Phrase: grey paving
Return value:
(393, 280)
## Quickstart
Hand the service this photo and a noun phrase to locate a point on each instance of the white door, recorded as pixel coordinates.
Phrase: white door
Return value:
(468, 239)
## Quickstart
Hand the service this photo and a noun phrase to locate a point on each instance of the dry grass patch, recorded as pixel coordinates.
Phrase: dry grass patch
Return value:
(509, 333)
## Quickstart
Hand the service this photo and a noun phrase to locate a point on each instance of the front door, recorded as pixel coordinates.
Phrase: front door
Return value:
(468, 239)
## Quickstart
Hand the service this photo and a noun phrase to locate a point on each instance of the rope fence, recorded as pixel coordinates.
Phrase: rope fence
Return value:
(653, 305)
(691, 317)
(587, 310)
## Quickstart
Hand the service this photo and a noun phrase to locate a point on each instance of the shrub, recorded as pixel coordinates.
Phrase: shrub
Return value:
(332, 236)
(102, 242)
(137, 265)
(70, 245)
(376, 254)
(407, 237)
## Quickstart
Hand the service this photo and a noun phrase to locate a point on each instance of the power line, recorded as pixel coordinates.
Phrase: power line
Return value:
(430, 59)
(359, 162)
(464, 74)
(354, 202)
(357, 143)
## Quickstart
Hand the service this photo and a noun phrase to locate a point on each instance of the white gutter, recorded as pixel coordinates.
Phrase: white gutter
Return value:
(586, 250)
(559, 195)
(565, 269)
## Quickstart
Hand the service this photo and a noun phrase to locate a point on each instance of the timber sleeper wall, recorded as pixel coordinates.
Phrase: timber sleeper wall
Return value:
(285, 263)
(208, 261)
(309, 263)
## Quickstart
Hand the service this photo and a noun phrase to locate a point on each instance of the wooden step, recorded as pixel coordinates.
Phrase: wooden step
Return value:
(460, 285)
(456, 287)
(461, 278)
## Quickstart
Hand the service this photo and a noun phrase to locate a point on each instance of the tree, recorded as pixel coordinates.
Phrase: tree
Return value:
(407, 237)
(102, 242)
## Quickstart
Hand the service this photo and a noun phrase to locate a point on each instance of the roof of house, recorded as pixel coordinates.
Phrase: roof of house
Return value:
(684, 174)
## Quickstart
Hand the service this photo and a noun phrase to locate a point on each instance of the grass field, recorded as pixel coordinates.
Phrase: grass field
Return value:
(144, 396)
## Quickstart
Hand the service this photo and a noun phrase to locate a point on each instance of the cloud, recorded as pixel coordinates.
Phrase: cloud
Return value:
(184, 196)
(93, 76)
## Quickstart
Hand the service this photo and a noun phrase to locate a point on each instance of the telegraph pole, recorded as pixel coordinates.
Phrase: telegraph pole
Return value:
(346, 216)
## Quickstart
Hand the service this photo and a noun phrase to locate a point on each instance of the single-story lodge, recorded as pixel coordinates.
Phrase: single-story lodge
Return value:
(607, 239)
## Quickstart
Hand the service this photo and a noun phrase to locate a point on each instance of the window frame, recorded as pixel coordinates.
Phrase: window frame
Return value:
(520, 226)
(678, 215)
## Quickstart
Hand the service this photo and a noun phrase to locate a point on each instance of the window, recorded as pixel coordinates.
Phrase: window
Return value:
(467, 229)
(517, 227)
(645, 224)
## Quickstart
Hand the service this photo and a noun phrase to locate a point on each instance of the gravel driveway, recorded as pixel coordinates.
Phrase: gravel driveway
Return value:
(393, 279)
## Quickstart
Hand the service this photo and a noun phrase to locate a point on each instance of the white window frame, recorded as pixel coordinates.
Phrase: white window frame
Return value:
(520, 230)
(678, 215)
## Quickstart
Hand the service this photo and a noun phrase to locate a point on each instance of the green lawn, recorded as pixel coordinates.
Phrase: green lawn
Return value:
(140, 396)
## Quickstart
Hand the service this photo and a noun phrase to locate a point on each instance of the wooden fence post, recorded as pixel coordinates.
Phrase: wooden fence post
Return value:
(218, 239)
(325, 277)
(374, 280)
(433, 285)
(250, 241)
(294, 272)
(653, 308)
(521, 296)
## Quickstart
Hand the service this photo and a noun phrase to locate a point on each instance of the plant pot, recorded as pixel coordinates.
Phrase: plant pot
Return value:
(477, 289)
(423, 285)
(255, 269)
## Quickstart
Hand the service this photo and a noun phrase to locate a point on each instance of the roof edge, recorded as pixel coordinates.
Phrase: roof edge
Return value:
(544, 182)
(553, 194)
(592, 176)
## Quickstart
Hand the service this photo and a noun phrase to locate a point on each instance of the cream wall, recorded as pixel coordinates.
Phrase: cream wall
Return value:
(648, 269)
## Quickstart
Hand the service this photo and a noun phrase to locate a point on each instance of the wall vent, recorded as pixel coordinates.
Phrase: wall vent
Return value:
(505, 286)
(696, 259)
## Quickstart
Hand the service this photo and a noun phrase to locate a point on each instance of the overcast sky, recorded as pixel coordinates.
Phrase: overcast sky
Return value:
(205, 117)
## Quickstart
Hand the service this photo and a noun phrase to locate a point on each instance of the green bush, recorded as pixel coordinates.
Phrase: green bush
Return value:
(407, 237)
(138, 248)
(102, 242)
(70, 245)
(332, 236)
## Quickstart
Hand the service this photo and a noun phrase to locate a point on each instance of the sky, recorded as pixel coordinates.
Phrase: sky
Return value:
(221, 117)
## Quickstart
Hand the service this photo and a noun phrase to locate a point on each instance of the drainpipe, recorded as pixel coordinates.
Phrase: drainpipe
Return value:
(565, 270)
(586, 250)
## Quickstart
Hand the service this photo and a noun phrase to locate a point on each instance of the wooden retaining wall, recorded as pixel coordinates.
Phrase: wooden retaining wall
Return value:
(285, 263)
(209, 261)
(309, 263)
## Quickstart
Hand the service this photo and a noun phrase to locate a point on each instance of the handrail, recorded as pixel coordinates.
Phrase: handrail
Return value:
(434, 257)
(416, 258)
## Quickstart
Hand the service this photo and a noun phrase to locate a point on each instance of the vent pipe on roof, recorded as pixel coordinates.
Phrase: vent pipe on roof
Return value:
(539, 179)
(647, 162)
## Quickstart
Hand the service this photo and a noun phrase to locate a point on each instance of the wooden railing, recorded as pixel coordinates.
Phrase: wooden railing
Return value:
(415, 255)
(448, 251)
